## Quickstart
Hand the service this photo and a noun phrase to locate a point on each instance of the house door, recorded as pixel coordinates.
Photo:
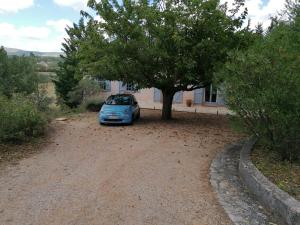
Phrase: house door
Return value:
(211, 94)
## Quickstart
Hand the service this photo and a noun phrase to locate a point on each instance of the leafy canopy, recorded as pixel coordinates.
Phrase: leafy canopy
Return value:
(171, 45)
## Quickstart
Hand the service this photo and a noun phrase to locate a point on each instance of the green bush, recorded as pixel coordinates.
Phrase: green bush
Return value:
(19, 120)
(86, 88)
(17, 74)
(41, 99)
(93, 104)
(262, 86)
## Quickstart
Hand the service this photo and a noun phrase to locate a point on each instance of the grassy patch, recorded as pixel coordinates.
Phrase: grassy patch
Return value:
(282, 173)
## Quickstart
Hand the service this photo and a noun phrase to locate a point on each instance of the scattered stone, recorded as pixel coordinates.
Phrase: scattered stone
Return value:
(61, 119)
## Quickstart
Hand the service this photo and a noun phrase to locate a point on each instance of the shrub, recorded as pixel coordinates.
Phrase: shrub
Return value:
(19, 120)
(86, 88)
(41, 99)
(93, 104)
(262, 86)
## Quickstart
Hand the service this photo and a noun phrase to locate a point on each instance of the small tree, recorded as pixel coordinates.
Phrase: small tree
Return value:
(171, 45)
(68, 75)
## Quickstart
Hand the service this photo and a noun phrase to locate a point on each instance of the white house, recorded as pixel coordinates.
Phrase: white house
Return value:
(204, 100)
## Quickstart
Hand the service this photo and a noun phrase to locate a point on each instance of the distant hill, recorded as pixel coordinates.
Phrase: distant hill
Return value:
(19, 52)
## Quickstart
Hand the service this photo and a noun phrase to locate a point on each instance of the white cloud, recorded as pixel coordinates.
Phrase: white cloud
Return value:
(75, 4)
(28, 32)
(99, 19)
(31, 38)
(14, 5)
(50, 36)
(259, 12)
(59, 25)
(45, 38)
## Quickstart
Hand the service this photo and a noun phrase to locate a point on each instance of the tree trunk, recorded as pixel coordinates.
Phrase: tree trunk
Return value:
(167, 105)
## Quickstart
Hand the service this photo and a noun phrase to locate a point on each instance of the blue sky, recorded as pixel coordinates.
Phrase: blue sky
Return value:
(39, 14)
(39, 24)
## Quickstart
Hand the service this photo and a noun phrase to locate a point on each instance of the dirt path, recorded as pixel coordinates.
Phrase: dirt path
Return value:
(151, 173)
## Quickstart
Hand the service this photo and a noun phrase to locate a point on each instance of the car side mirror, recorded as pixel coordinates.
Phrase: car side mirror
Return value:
(135, 103)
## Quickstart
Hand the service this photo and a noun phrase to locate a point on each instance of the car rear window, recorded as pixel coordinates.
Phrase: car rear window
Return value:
(119, 100)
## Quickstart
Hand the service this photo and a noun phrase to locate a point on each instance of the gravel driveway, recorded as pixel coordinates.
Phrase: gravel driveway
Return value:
(153, 172)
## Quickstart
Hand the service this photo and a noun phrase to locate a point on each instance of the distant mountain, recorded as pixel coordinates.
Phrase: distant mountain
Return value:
(19, 52)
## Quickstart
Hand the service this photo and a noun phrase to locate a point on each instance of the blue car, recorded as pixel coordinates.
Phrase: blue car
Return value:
(119, 109)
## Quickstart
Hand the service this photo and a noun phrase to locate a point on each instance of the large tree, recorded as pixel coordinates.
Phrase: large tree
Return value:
(171, 45)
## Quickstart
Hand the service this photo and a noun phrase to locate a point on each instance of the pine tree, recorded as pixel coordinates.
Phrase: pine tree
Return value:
(68, 74)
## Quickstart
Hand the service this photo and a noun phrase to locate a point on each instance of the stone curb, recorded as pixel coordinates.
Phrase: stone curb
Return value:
(278, 201)
(232, 194)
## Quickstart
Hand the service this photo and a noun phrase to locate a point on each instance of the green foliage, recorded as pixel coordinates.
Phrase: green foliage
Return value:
(86, 87)
(68, 74)
(17, 74)
(263, 87)
(21, 98)
(171, 45)
(41, 99)
(93, 104)
(19, 119)
(46, 77)
(47, 64)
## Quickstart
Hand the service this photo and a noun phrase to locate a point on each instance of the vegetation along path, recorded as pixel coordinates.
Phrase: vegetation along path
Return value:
(153, 172)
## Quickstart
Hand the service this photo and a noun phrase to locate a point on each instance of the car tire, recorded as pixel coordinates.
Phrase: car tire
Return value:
(138, 116)
(132, 119)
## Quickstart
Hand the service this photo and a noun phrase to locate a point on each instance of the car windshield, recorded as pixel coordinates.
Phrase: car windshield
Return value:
(119, 100)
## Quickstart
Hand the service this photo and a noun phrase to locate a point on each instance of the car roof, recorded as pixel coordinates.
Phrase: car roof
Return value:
(129, 95)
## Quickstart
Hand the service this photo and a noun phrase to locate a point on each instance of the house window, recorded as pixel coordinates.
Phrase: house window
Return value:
(104, 85)
(157, 95)
(211, 94)
(130, 87)
(198, 96)
(178, 97)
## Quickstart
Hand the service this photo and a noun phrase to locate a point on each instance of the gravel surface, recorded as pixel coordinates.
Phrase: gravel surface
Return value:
(153, 172)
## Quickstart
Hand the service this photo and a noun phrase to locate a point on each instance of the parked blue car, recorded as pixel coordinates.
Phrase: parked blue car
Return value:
(119, 109)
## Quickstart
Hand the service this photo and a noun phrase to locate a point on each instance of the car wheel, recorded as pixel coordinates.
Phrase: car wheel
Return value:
(132, 119)
(138, 116)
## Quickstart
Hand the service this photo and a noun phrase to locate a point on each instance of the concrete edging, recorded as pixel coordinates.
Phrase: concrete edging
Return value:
(232, 195)
(279, 202)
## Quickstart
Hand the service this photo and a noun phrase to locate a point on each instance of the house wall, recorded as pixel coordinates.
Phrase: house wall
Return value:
(145, 97)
